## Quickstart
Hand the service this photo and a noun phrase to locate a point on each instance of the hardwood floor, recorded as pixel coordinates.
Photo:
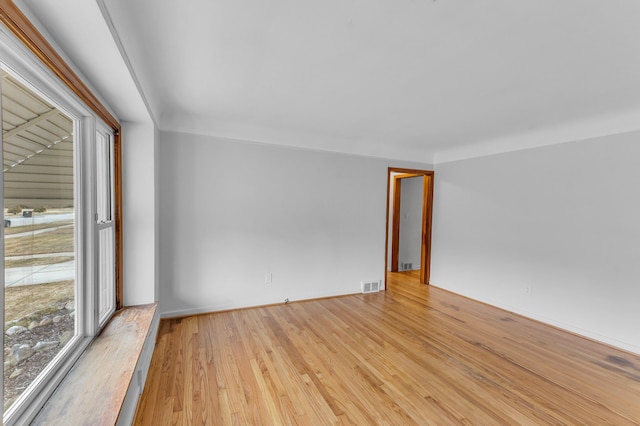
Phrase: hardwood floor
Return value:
(411, 355)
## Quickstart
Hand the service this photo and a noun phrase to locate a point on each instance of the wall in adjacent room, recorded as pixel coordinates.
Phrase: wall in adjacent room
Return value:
(234, 214)
(411, 204)
(552, 233)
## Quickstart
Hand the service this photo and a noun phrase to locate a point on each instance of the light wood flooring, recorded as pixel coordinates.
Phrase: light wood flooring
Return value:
(411, 355)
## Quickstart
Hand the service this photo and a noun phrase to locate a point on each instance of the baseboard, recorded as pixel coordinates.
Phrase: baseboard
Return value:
(211, 310)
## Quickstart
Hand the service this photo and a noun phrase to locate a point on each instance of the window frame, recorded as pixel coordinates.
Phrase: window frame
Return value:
(102, 130)
(18, 24)
(30, 56)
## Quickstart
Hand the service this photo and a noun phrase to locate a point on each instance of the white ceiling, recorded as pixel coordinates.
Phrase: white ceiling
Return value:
(407, 79)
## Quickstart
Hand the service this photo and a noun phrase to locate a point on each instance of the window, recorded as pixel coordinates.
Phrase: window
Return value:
(38, 151)
(105, 225)
(59, 238)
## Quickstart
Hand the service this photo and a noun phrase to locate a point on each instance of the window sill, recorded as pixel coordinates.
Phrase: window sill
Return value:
(103, 381)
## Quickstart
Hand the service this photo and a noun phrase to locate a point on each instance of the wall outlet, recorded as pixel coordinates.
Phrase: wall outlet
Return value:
(527, 289)
(268, 278)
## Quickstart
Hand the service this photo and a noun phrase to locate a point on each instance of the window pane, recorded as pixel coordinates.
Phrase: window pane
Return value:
(106, 268)
(39, 224)
(103, 178)
(106, 244)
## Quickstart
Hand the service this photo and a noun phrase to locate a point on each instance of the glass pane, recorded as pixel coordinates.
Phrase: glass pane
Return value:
(106, 268)
(39, 224)
(103, 172)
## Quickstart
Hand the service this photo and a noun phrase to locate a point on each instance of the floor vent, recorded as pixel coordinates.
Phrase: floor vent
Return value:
(408, 266)
(371, 287)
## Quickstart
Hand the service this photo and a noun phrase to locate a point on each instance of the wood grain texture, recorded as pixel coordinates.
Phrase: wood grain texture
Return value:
(413, 355)
(117, 210)
(95, 388)
(427, 219)
(395, 233)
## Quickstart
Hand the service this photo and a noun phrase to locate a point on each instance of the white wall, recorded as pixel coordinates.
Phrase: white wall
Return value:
(156, 246)
(552, 233)
(139, 213)
(232, 211)
(411, 195)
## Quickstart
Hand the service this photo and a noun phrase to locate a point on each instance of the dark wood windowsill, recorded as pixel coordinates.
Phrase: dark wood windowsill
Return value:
(94, 391)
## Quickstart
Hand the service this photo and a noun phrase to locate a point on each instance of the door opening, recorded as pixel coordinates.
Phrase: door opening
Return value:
(394, 218)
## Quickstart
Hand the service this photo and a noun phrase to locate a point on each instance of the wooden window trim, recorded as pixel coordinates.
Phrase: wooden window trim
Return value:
(13, 18)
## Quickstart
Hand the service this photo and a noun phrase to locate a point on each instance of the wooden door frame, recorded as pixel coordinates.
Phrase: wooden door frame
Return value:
(427, 218)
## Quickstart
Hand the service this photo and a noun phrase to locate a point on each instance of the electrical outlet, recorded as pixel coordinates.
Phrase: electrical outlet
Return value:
(527, 289)
(268, 278)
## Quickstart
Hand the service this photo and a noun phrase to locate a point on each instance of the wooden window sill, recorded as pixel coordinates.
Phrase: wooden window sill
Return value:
(95, 389)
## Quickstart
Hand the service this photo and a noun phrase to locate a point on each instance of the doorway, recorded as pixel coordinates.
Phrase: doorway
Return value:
(393, 230)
